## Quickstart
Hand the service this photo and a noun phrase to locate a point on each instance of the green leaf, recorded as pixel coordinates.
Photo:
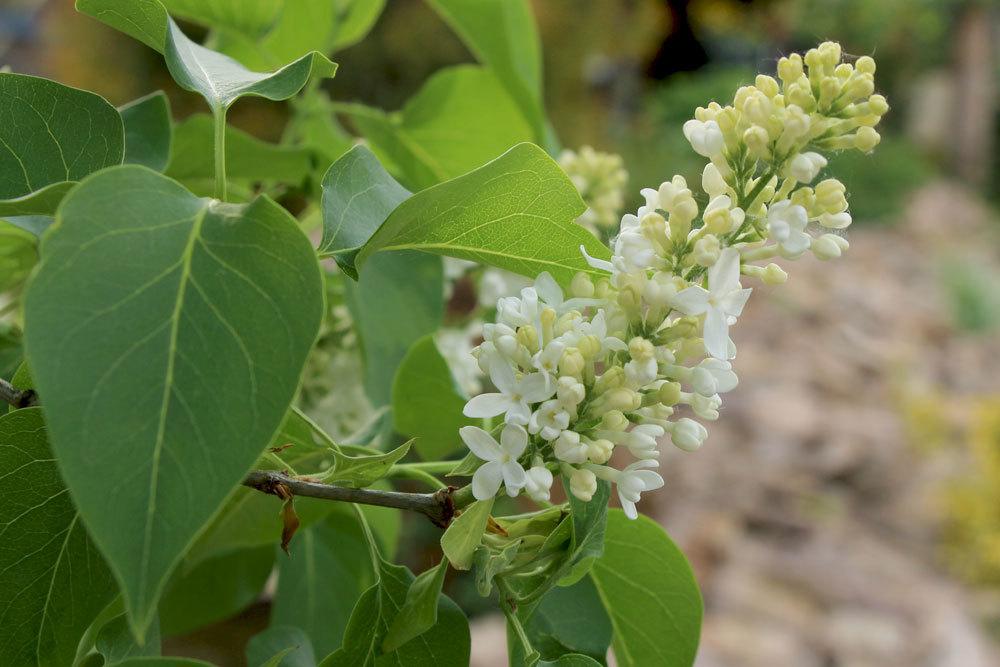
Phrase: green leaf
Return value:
(570, 620)
(444, 644)
(248, 159)
(517, 212)
(468, 465)
(465, 534)
(650, 594)
(18, 254)
(358, 648)
(54, 581)
(361, 471)
(163, 662)
(461, 118)
(33, 224)
(283, 645)
(589, 525)
(148, 131)
(426, 403)
(355, 21)
(41, 202)
(251, 17)
(214, 589)
(358, 195)
(488, 564)
(398, 298)
(166, 335)
(419, 612)
(115, 641)
(216, 77)
(570, 660)
(319, 583)
(502, 35)
(51, 135)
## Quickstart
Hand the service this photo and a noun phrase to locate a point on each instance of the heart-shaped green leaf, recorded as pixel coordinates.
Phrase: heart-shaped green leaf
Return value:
(51, 135)
(217, 77)
(166, 335)
(148, 131)
(358, 195)
(650, 594)
(54, 581)
(517, 212)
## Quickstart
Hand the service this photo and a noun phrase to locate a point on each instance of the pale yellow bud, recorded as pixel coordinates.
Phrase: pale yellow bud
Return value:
(614, 420)
(599, 451)
(610, 379)
(877, 105)
(860, 86)
(622, 398)
(829, 246)
(790, 68)
(572, 363)
(639, 348)
(567, 322)
(712, 182)
(830, 195)
(804, 197)
(773, 275)
(706, 250)
(866, 139)
(528, 337)
(865, 65)
(583, 484)
(757, 139)
(830, 53)
(603, 289)
(670, 393)
(589, 346)
(767, 85)
(582, 286)
(843, 71)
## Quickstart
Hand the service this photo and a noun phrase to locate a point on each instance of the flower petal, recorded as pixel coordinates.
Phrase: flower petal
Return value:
(535, 387)
(486, 480)
(514, 477)
(486, 405)
(600, 264)
(513, 440)
(480, 443)
(724, 276)
(691, 300)
(716, 333)
(502, 377)
(629, 508)
(650, 480)
(732, 303)
(548, 289)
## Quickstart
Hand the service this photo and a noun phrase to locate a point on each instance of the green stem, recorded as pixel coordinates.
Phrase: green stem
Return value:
(508, 605)
(280, 462)
(219, 121)
(373, 550)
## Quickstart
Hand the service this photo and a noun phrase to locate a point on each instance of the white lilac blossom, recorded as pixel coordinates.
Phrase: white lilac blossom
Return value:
(639, 349)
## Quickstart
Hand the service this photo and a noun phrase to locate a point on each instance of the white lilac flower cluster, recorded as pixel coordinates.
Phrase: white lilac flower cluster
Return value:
(600, 178)
(609, 367)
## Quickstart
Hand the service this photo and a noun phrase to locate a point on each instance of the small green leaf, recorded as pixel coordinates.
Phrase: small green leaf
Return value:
(650, 594)
(18, 254)
(148, 131)
(283, 645)
(469, 464)
(248, 159)
(361, 471)
(51, 135)
(319, 582)
(426, 403)
(419, 612)
(502, 35)
(214, 589)
(358, 648)
(517, 212)
(116, 643)
(166, 335)
(461, 118)
(589, 522)
(358, 195)
(218, 78)
(465, 534)
(253, 17)
(488, 564)
(53, 579)
(393, 288)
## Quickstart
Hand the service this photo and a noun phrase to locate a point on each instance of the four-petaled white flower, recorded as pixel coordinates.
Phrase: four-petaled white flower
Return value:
(631, 482)
(549, 420)
(723, 299)
(547, 359)
(515, 397)
(786, 224)
(500, 458)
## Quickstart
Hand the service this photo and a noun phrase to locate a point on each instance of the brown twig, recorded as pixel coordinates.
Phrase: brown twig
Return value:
(439, 506)
(19, 398)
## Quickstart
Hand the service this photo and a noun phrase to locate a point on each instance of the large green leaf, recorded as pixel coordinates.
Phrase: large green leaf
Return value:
(502, 35)
(570, 620)
(426, 403)
(166, 334)
(461, 118)
(148, 131)
(650, 594)
(398, 299)
(358, 195)
(50, 135)
(251, 17)
(283, 645)
(248, 159)
(319, 582)
(214, 589)
(54, 581)
(216, 77)
(419, 613)
(445, 644)
(517, 212)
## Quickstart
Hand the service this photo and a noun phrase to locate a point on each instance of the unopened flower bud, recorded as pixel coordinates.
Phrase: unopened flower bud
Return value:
(804, 167)
(767, 85)
(582, 286)
(614, 420)
(866, 139)
(572, 363)
(670, 393)
(623, 399)
(526, 336)
(790, 68)
(706, 250)
(583, 484)
(712, 182)
(611, 378)
(757, 140)
(830, 195)
(840, 220)
(865, 65)
(829, 246)
(567, 447)
(599, 451)
(589, 346)
(773, 275)
(687, 434)
(640, 348)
